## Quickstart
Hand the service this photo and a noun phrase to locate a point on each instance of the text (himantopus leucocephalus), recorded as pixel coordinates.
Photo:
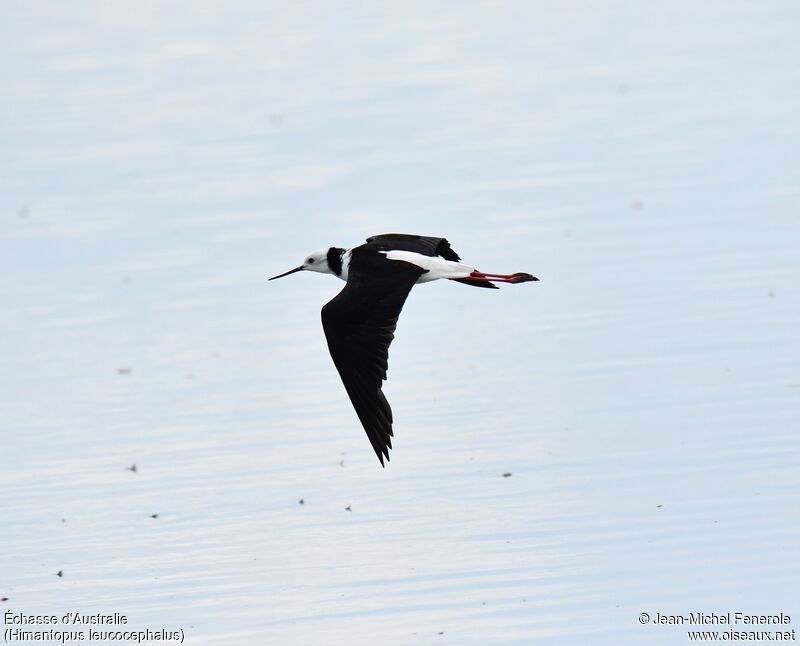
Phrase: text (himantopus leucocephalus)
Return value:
(359, 322)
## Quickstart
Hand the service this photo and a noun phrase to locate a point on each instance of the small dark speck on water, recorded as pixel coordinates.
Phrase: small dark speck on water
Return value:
(153, 515)
(507, 474)
(348, 508)
(124, 371)
(60, 573)
(302, 501)
(659, 506)
(131, 468)
(63, 520)
(3, 598)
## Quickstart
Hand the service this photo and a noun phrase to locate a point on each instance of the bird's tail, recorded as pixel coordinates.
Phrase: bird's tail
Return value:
(476, 283)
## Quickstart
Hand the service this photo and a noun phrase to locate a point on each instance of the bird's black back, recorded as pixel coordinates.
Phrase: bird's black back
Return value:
(427, 246)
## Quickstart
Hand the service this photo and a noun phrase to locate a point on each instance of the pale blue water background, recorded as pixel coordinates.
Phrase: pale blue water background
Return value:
(158, 161)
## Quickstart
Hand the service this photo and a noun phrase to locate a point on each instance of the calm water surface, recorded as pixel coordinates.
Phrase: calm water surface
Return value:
(158, 163)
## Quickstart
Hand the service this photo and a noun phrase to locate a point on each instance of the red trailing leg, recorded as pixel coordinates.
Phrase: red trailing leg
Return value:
(519, 277)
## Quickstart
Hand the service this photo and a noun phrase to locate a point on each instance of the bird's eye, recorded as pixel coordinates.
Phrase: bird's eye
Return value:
(310, 261)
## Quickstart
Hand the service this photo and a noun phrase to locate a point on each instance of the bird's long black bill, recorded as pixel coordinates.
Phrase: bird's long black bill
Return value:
(291, 271)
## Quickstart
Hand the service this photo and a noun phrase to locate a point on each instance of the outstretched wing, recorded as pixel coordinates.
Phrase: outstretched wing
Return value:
(359, 325)
(426, 246)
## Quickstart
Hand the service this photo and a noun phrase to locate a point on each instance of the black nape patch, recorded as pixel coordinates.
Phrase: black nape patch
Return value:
(335, 255)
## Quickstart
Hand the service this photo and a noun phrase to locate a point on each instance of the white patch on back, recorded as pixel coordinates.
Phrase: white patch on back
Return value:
(345, 264)
(435, 266)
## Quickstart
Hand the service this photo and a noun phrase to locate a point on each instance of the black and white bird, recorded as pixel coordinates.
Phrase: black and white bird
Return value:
(360, 321)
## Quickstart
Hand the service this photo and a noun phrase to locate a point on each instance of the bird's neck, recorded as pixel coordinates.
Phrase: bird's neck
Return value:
(336, 260)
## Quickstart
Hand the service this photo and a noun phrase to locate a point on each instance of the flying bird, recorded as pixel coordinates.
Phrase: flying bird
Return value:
(360, 321)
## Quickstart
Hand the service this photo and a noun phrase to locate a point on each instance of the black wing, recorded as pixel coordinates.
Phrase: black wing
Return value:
(427, 246)
(359, 325)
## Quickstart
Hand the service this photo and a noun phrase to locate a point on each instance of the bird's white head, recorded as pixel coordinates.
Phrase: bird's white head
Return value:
(318, 261)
